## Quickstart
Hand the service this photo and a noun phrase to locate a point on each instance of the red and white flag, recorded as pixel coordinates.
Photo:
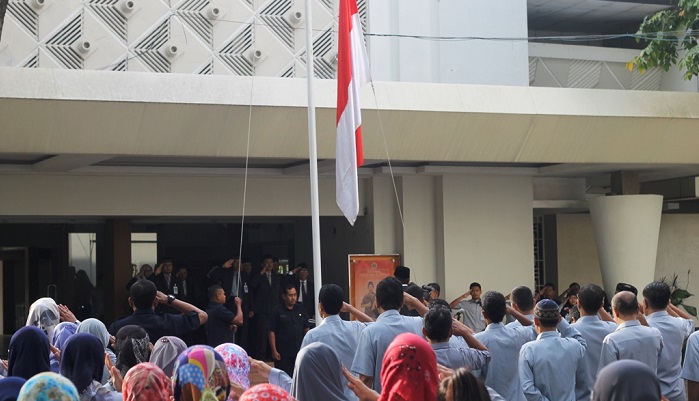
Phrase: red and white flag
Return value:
(352, 73)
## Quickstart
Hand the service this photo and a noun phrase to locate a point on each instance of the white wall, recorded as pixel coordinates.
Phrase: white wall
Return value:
(487, 229)
(463, 61)
(577, 251)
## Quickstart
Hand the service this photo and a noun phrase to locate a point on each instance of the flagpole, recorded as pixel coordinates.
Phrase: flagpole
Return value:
(313, 158)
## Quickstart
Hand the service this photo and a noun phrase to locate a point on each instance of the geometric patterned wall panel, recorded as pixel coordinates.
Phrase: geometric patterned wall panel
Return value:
(238, 37)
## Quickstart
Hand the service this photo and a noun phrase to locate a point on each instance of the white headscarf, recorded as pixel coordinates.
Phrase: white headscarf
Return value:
(44, 314)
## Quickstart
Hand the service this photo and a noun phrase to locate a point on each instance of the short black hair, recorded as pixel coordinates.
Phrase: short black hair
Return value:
(625, 302)
(331, 297)
(213, 291)
(626, 287)
(287, 287)
(302, 265)
(416, 291)
(474, 284)
(371, 283)
(657, 294)
(166, 259)
(267, 256)
(437, 303)
(389, 293)
(494, 306)
(591, 298)
(143, 294)
(550, 284)
(438, 323)
(548, 323)
(522, 297)
(436, 287)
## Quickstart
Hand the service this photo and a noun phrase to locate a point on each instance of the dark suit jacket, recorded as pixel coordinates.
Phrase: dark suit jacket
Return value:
(224, 278)
(266, 295)
(161, 285)
(309, 302)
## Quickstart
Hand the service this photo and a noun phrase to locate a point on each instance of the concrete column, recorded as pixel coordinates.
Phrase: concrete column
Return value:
(117, 268)
(626, 232)
(384, 216)
(419, 239)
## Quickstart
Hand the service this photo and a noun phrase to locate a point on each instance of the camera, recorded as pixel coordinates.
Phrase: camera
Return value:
(427, 292)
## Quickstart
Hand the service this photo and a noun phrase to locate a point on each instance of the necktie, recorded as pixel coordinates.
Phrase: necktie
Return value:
(167, 280)
(234, 287)
(303, 290)
(269, 278)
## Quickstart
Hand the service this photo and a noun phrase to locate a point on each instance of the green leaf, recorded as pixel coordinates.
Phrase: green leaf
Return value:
(690, 309)
(680, 294)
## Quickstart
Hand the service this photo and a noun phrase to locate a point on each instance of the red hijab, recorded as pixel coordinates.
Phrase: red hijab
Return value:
(409, 370)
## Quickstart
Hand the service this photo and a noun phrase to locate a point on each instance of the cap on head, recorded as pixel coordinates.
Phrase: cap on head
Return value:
(402, 273)
(546, 309)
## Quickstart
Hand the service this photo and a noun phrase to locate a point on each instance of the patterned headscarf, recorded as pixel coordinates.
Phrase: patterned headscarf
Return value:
(409, 370)
(237, 363)
(146, 382)
(132, 347)
(200, 375)
(265, 392)
(61, 334)
(48, 386)
(44, 314)
(29, 353)
(166, 351)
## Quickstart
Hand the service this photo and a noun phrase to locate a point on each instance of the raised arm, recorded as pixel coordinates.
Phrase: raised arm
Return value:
(413, 303)
(182, 307)
(453, 304)
(520, 317)
(359, 315)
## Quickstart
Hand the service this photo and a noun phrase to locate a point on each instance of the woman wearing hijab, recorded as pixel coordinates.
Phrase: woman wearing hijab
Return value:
(9, 388)
(44, 314)
(200, 375)
(29, 353)
(61, 334)
(318, 375)
(146, 382)
(132, 348)
(238, 366)
(165, 353)
(99, 330)
(82, 362)
(409, 372)
(626, 380)
(462, 386)
(266, 392)
(48, 386)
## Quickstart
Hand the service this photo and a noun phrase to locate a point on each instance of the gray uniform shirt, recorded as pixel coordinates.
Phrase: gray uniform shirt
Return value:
(690, 370)
(377, 337)
(594, 330)
(630, 340)
(674, 331)
(460, 357)
(473, 317)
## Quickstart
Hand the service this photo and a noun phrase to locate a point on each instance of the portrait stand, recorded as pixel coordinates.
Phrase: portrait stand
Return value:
(365, 272)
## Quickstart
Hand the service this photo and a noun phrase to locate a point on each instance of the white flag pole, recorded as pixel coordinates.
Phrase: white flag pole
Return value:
(313, 158)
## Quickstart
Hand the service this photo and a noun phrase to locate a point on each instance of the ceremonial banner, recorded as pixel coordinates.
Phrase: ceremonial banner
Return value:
(365, 273)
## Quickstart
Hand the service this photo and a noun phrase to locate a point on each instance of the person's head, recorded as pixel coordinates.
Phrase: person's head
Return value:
(549, 291)
(182, 273)
(166, 264)
(237, 364)
(10, 388)
(656, 295)
(437, 325)
(626, 287)
(626, 380)
(402, 273)
(28, 353)
(317, 374)
(48, 386)
(216, 294)
(475, 291)
(494, 306)
(573, 297)
(437, 303)
(200, 374)
(82, 360)
(146, 270)
(625, 305)
(265, 391)
(132, 347)
(303, 273)
(436, 290)
(267, 263)
(409, 369)
(574, 286)
(289, 295)
(416, 291)
(143, 294)
(165, 352)
(370, 287)
(522, 299)
(462, 386)
(546, 315)
(146, 382)
(590, 299)
(389, 294)
(247, 267)
(330, 299)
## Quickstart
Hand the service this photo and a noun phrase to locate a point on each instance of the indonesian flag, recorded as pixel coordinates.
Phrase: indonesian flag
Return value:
(352, 73)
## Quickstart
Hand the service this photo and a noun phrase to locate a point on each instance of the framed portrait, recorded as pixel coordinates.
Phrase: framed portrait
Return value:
(365, 272)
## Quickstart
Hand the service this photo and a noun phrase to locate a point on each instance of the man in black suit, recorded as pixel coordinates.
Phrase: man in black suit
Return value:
(266, 289)
(304, 289)
(235, 283)
(167, 283)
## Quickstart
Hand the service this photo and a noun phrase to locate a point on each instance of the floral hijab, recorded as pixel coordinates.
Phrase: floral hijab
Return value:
(237, 364)
(146, 382)
(265, 392)
(200, 375)
(44, 314)
(48, 386)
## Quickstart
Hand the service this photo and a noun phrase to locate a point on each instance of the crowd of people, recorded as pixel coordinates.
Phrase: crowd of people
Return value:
(481, 346)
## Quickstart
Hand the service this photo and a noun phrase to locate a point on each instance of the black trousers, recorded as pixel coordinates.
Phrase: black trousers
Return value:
(262, 326)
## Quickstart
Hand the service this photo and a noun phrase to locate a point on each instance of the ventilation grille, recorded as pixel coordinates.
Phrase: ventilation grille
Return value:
(322, 45)
(32, 62)
(584, 73)
(649, 80)
(290, 73)
(60, 44)
(273, 16)
(147, 49)
(362, 10)
(232, 54)
(208, 69)
(190, 12)
(106, 10)
(26, 17)
(120, 66)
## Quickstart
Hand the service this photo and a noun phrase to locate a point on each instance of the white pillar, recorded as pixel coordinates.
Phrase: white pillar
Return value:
(626, 232)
